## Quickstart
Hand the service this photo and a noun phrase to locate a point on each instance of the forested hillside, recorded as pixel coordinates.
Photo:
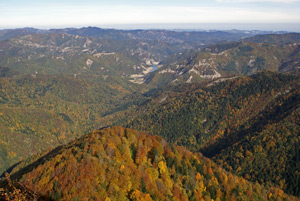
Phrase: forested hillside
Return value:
(199, 111)
(250, 124)
(67, 80)
(269, 152)
(224, 95)
(124, 164)
(45, 111)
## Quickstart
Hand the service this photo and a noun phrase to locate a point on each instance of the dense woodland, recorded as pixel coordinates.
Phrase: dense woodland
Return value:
(123, 164)
(214, 119)
(60, 108)
(194, 113)
(234, 121)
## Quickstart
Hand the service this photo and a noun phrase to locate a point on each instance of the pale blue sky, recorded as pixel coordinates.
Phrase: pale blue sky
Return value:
(78, 13)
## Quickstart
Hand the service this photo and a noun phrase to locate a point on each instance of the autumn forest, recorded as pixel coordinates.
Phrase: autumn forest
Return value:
(107, 114)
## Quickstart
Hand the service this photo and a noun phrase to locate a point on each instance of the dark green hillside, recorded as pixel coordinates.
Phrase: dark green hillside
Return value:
(268, 150)
(232, 117)
(44, 111)
(124, 164)
(201, 111)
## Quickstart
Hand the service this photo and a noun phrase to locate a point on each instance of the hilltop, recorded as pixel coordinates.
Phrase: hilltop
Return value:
(124, 164)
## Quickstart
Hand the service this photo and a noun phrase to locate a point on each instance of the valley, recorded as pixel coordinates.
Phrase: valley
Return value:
(172, 115)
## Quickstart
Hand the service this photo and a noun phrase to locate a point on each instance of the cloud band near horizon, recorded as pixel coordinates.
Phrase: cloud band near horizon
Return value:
(60, 14)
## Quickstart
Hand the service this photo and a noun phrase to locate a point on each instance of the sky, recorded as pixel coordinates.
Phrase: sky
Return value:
(279, 15)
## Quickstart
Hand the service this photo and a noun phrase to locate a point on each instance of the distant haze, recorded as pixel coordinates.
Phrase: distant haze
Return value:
(275, 15)
(210, 26)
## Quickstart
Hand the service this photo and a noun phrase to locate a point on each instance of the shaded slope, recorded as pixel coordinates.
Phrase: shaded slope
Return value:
(195, 114)
(268, 151)
(249, 125)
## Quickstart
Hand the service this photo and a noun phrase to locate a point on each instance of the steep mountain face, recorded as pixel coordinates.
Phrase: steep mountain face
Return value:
(124, 164)
(233, 121)
(228, 59)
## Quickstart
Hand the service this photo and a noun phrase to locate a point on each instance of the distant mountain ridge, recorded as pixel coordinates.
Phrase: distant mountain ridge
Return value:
(275, 38)
(151, 34)
(278, 53)
(131, 53)
(10, 33)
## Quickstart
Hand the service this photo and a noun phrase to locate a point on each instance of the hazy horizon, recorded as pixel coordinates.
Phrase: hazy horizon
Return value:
(271, 15)
(184, 27)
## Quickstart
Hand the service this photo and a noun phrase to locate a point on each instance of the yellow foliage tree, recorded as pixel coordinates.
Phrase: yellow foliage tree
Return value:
(140, 196)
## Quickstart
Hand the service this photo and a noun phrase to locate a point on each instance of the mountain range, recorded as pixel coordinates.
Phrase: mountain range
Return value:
(216, 114)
